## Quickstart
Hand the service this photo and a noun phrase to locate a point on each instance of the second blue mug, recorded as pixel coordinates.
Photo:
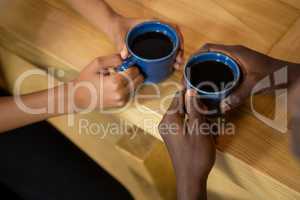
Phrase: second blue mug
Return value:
(213, 97)
(154, 70)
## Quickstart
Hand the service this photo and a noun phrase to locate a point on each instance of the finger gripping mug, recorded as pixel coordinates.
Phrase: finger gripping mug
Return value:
(153, 47)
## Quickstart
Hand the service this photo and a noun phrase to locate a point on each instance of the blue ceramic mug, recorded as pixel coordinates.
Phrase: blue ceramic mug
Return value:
(216, 96)
(154, 70)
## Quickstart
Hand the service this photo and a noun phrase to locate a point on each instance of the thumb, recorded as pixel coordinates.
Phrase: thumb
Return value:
(124, 51)
(194, 107)
(104, 63)
(121, 45)
(177, 105)
(238, 96)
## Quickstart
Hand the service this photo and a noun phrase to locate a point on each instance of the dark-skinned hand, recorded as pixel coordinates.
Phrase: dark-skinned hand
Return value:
(191, 148)
(255, 66)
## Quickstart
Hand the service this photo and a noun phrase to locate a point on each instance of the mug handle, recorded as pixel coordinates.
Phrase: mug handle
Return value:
(127, 63)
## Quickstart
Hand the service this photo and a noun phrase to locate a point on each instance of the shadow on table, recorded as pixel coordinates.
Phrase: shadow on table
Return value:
(232, 143)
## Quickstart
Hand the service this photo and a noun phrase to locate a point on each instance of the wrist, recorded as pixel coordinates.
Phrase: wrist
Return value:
(69, 98)
(192, 188)
(79, 96)
(61, 99)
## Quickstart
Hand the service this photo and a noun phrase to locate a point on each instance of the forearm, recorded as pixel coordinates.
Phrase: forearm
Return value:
(97, 12)
(293, 73)
(28, 109)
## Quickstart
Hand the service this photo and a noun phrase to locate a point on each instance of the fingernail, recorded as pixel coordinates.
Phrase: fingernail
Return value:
(123, 54)
(191, 92)
(181, 87)
(179, 59)
(177, 66)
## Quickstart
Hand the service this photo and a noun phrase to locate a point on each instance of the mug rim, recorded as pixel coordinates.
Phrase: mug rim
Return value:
(175, 49)
(222, 92)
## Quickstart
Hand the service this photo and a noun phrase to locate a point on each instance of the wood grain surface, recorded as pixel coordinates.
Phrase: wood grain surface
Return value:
(50, 35)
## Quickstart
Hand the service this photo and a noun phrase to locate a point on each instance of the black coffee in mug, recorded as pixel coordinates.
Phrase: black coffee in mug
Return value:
(214, 76)
(211, 76)
(152, 45)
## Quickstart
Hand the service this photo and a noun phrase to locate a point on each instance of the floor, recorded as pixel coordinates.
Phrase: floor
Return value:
(37, 162)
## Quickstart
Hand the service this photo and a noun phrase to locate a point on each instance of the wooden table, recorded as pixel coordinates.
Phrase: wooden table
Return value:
(253, 164)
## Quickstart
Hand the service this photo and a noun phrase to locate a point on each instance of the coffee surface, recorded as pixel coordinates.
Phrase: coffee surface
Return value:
(216, 76)
(152, 45)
